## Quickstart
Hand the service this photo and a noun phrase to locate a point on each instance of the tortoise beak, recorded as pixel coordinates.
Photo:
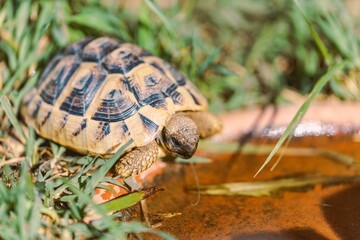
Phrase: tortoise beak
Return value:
(185, 150)
(188, 152)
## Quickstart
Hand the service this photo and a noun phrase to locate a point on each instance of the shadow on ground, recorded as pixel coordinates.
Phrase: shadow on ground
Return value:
(291, 234)
(341, 210)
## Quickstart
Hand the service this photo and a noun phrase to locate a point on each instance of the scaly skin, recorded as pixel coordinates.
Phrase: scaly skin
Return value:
(137, 160)
(207, 123)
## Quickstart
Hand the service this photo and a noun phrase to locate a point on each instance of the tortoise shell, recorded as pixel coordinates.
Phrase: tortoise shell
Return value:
(98, 94)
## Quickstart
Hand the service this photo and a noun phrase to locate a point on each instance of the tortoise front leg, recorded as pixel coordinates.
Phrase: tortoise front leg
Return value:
(137, 160)
(208, 124)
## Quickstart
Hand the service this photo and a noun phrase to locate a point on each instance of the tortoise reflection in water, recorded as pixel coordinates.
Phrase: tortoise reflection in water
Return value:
(98, 94)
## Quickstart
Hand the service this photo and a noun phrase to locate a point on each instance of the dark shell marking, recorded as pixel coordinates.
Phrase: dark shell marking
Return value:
(99, 93)
(58, 81)
(104, 128)
(83, 93)
(95, 50)
(115, 107)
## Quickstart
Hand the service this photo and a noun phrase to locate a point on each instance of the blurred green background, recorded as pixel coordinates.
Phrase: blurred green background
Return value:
(240, 53)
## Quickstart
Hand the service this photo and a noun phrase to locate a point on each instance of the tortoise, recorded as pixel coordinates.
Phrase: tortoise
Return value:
(99, 93)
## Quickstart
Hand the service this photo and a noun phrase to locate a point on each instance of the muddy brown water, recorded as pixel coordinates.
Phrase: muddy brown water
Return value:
(318, 212)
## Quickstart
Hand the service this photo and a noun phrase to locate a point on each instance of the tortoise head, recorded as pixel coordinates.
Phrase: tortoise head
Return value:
(180, 136)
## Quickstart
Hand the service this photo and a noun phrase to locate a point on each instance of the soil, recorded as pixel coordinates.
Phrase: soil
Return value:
(318, 212)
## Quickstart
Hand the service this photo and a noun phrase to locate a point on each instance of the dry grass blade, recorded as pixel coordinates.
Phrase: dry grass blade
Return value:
(265, 188)
(12, 161)
(262, 149)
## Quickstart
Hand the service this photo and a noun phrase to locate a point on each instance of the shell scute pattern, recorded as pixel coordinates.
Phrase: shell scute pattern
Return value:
(99, 93)
(115, 105)
(123, 59)
(49, 68)
(95, 50)
(103, 130)
(80, 128)
(84, 87)
(52, 87)
(180, 79)
(77, 47)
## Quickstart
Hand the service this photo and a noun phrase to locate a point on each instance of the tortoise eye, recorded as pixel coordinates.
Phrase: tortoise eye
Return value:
(175, 142)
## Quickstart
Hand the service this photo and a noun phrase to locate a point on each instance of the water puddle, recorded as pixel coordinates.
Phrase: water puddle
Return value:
(325, 208)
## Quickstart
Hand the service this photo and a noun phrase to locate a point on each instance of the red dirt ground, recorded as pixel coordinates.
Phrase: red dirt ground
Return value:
(321, 212)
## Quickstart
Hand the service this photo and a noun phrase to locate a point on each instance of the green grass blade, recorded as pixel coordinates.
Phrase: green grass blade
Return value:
(20, 71)
(10, 114)
(22, 16)
(35, 219)
(29, 152)
(304, 107)
(10, 53)
(115, 182)
(97, 19)
(74, 180)
(30, 83)
(318, 41)
(44, 20)
(210, 59)
(341, 36)
(104, 169)
(155, 8)
(2, 17)
(123, 202)
(24, 47)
